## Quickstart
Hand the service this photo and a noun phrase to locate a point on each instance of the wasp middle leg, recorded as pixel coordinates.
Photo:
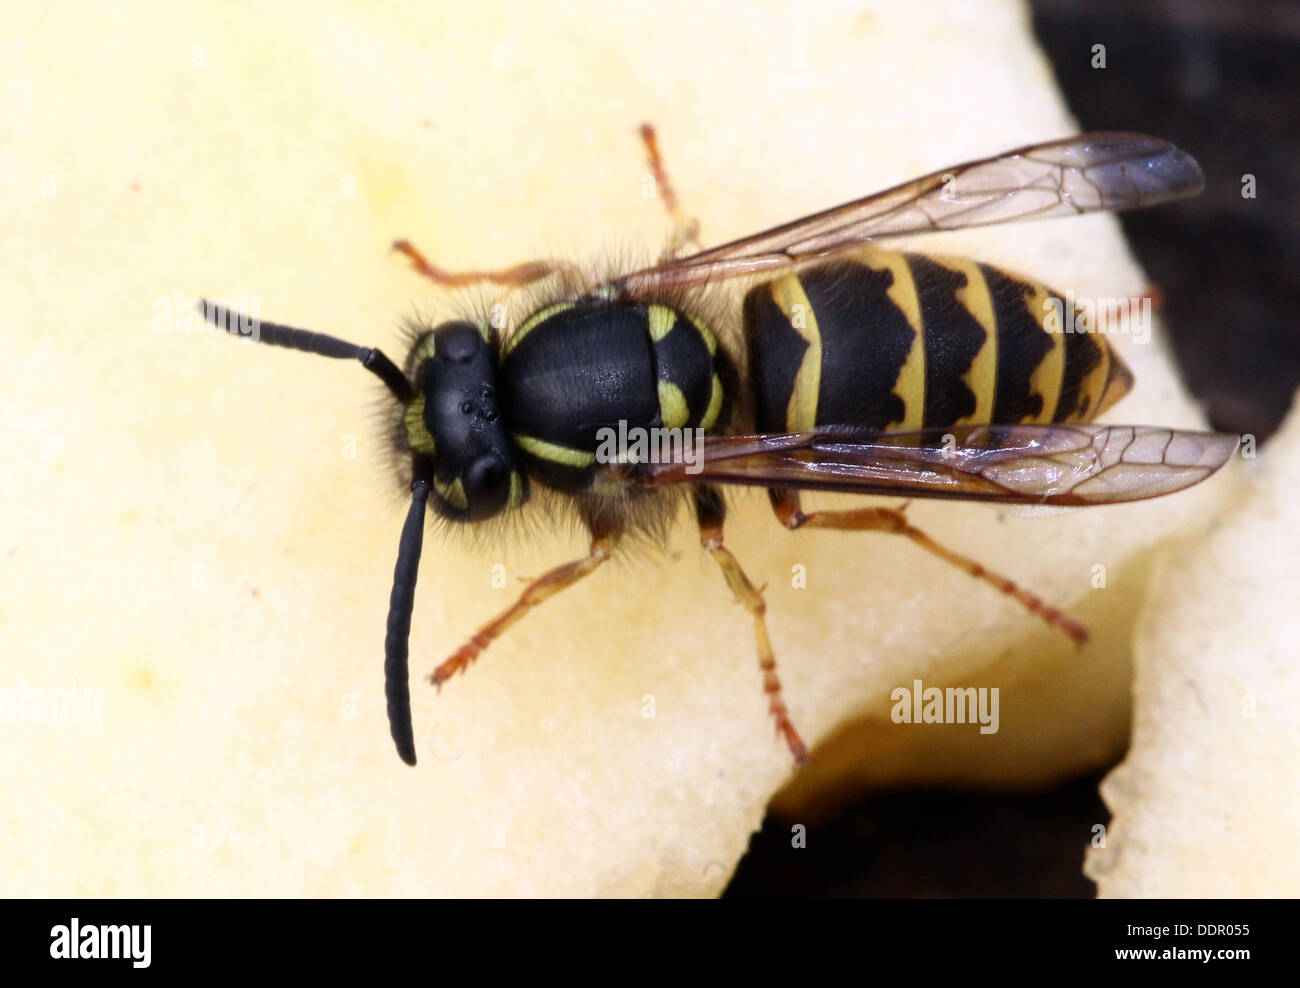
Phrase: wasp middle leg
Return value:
(711, 512)
(785, 503)
(538, 591)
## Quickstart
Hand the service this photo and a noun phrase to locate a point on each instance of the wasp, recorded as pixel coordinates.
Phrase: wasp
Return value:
(851, 368)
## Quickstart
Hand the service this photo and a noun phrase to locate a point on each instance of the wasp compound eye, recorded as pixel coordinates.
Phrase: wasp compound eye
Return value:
(487, 486)
(458, 342)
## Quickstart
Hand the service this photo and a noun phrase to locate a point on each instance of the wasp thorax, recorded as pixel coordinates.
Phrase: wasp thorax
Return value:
(455, 418)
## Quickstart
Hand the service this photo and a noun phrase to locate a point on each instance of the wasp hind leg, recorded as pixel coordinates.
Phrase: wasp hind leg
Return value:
(786, 505)
(711, 513)
(686, 229)
(538, 591)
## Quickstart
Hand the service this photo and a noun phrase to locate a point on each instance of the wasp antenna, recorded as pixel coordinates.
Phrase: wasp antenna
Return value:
(400, 604)
(275, 334)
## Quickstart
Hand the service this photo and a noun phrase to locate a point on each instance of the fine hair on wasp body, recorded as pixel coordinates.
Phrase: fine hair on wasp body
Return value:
(844, 367)
(643, 514)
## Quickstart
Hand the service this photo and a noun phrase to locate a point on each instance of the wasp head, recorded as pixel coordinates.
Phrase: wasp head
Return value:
(454, 419)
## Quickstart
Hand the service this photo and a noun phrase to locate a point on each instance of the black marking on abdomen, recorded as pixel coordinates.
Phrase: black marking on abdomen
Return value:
(865, 341)
(1022, 345)
(953, 337)
(1082, 356)
(777, 352)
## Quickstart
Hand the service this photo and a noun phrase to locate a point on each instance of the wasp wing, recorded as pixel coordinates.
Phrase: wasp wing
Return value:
(1012, 464)
(1104, 170)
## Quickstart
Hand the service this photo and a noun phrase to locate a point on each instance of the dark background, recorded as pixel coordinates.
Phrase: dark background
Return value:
(1221, 79)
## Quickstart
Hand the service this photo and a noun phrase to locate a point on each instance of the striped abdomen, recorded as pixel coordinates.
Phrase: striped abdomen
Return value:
(908, 341)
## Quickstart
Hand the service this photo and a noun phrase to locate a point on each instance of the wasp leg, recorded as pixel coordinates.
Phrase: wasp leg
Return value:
(686, 229)
(514, 277)
(539, 590)
(711, 512)
(786, 505)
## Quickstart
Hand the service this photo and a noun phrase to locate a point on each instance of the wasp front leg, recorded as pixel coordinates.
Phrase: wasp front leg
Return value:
(785, 503)
(538, 591)
(711, 513)
(516, 276)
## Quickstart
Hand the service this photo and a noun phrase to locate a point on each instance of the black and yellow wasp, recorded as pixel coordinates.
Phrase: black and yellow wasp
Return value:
(856, 369)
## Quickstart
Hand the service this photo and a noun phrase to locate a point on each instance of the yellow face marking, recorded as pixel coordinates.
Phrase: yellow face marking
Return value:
(715, 405)
(672, 405)
(982, 377)
(531, 323)
(516, 490)
(662, 319)
(417, 433)
(1047, 377)
(910, 386)
(792, 300)
(543, 450)
(453, 493)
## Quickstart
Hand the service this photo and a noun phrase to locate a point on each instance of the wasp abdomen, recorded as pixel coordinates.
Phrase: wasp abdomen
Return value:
(577, 368)
(902, 341)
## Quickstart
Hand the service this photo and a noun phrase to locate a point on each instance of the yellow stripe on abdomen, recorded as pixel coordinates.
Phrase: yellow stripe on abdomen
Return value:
(792, 300)
(1046, 379)
(982, 378)
(910, 384)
